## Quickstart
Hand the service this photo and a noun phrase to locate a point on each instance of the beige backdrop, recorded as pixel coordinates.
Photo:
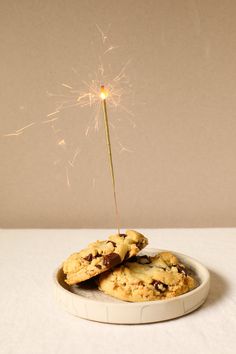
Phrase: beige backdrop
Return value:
(179, 170)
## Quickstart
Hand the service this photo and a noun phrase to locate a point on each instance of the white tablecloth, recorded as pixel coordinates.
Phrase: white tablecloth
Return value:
(32, 323)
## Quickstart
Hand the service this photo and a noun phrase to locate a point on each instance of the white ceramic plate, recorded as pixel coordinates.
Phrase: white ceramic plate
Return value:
(92, 304)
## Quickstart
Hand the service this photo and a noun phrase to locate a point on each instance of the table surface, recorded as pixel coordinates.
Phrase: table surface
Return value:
(31, 322)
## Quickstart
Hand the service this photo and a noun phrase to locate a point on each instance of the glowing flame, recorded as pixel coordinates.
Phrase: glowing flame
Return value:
(103, 93)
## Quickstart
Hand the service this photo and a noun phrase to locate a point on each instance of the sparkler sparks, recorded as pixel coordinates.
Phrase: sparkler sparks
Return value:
(20, 131)
(87, 94)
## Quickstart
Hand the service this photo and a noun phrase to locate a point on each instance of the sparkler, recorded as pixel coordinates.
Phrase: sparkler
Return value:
(103, 95)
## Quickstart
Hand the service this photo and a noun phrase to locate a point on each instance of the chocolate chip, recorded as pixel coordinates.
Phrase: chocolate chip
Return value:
(89, 257)
(181, 269)
(140, 244)
(111, 259)
(98, 266)
(114, 244)
(158, 285)
(123, 235)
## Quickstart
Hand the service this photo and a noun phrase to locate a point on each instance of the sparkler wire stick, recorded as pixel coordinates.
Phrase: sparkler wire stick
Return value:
(103, 96)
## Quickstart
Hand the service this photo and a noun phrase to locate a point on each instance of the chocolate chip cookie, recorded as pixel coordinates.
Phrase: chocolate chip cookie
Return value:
(144, 278)
(100, 256)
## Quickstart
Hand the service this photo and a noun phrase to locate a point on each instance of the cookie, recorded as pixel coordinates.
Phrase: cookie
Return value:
(145, 278)
(100, 256)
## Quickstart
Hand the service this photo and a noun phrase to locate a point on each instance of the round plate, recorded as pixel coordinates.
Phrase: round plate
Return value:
(92, 304)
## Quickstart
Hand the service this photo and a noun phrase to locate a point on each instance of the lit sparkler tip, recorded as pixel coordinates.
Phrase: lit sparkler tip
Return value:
(103, 93)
